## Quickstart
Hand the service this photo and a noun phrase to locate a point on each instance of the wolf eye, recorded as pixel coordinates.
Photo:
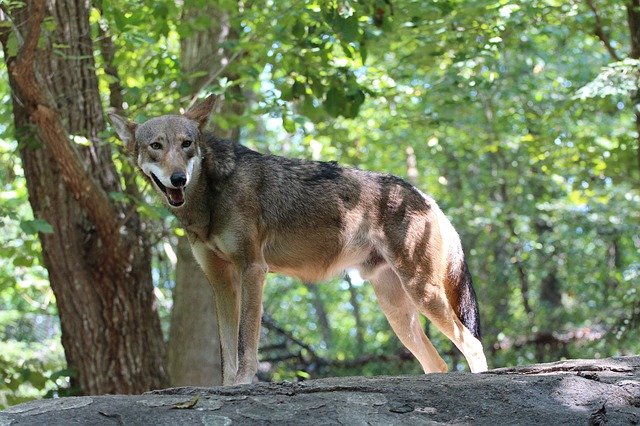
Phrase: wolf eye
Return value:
(156, 145)
(186, 144)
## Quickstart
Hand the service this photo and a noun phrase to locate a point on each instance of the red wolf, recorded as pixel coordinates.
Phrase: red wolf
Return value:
(248, 213)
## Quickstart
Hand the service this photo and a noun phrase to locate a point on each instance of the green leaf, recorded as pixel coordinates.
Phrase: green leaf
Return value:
(65, 372)
(354, 101)
(35, 226)
(347, 49)
(334, 101)
(303, 374)
(364, 53)
(288, 124)
(23, 261)
(160, 11)
(12, 44)
(153, 212)
(310, 110)
(197, 74)
(286, 93)
(35, 378)
(347, 29)
(119, 19)
(117, 196)
(299, 29)
(298, 89)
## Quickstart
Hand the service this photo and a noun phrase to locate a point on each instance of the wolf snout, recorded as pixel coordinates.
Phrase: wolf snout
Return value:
(178, 179)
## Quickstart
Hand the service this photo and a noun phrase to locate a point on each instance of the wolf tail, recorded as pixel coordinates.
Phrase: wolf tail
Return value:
(462, 297)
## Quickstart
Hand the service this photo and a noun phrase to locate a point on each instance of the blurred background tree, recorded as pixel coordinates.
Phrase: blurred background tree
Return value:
(520, 118)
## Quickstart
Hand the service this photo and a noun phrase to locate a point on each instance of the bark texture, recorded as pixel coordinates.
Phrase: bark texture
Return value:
(99, 265)
(633, 19)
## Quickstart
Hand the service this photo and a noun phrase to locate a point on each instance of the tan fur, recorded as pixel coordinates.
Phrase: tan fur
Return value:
(247, 214)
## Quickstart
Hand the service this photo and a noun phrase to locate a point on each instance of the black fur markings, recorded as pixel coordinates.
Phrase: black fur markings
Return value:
(322, 171)
(468, 303)
(391, 180)
(410, 191)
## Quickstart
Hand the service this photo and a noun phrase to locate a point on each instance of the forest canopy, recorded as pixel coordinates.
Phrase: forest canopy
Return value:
(520, 118)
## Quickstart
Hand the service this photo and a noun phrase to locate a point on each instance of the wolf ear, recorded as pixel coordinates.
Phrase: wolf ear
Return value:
(125, 129)
(201, 111)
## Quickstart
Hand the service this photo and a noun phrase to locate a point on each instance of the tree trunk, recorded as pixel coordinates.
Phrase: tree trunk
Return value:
(202, 51)
(193, 353)
(614, 264)
(99, 267)
(633, 19)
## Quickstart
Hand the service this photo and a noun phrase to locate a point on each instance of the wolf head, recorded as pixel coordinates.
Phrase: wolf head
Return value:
(167, 148)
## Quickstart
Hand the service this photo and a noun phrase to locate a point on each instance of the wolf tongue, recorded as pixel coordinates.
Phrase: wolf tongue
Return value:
(176, 196)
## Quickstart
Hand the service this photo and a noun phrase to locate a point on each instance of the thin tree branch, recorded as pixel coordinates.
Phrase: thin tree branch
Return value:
(271, 325)
(599, 31)
(313, 358)
(211, 78)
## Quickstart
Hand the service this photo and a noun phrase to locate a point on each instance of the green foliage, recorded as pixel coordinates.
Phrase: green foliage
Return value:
(31, 368)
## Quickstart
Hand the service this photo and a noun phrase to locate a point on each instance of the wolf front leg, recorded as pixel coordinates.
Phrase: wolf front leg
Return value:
(226, 293)
(252, 279)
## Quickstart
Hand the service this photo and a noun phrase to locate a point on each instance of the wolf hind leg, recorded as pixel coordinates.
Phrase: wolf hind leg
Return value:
(404, 318)
(439, 311)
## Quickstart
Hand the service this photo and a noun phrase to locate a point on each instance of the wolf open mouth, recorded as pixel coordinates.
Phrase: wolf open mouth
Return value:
(174, 195)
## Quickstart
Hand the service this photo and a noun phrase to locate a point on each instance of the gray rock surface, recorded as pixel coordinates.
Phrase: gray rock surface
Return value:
(574, 392)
